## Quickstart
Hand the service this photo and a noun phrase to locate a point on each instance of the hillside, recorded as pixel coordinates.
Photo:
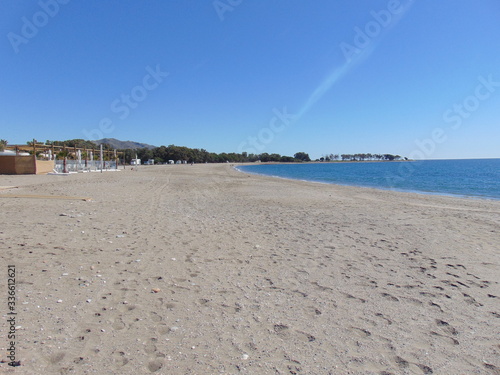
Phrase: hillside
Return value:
(117, 144)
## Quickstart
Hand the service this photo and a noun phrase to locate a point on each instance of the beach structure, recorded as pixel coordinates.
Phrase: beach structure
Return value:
(12, 162)
(38, 158)
(135, 161)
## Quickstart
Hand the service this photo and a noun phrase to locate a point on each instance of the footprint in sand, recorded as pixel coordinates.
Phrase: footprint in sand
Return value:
(155, 317)
(56, 357)
(445, 338)
(381, 316)
(390, 297)
(119, 359)
(307, 336)
(155, 365)
(361, 332)
(118, 324)
(425, 369)
(150, 347)
(280, 328)
(163, 329)
(436, 305)
(445, 326)
(493, 368)
(471, 300)
(402, 363)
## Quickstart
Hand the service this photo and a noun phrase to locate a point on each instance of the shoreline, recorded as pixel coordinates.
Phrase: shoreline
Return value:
(205, 269)
(473, 197)
(401, 190)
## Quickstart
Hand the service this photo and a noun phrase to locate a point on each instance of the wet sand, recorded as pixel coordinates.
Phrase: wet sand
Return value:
(206, 270)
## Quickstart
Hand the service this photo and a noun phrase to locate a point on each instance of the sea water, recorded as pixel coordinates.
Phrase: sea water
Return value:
(478, 178)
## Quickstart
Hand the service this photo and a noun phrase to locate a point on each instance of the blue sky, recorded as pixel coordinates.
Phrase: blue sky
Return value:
(414, 78)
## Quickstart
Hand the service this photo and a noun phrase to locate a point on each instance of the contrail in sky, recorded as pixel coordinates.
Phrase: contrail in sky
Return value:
(356, 59)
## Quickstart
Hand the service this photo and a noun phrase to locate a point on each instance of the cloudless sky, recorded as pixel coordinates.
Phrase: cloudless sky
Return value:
(414, 78)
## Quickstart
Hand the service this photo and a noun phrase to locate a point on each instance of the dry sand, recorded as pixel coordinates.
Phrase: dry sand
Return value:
(206, 270)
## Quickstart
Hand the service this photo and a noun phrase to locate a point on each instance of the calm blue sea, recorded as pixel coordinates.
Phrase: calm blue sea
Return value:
(478, 178)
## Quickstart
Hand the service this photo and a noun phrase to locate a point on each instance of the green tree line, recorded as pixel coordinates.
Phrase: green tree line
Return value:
(78, 143)
(361, 157)
(163, 154)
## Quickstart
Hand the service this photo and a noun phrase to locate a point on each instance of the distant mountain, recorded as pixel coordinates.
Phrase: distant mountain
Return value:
(117, 144)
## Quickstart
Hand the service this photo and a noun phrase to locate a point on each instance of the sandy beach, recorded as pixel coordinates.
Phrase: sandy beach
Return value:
(206, 270)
